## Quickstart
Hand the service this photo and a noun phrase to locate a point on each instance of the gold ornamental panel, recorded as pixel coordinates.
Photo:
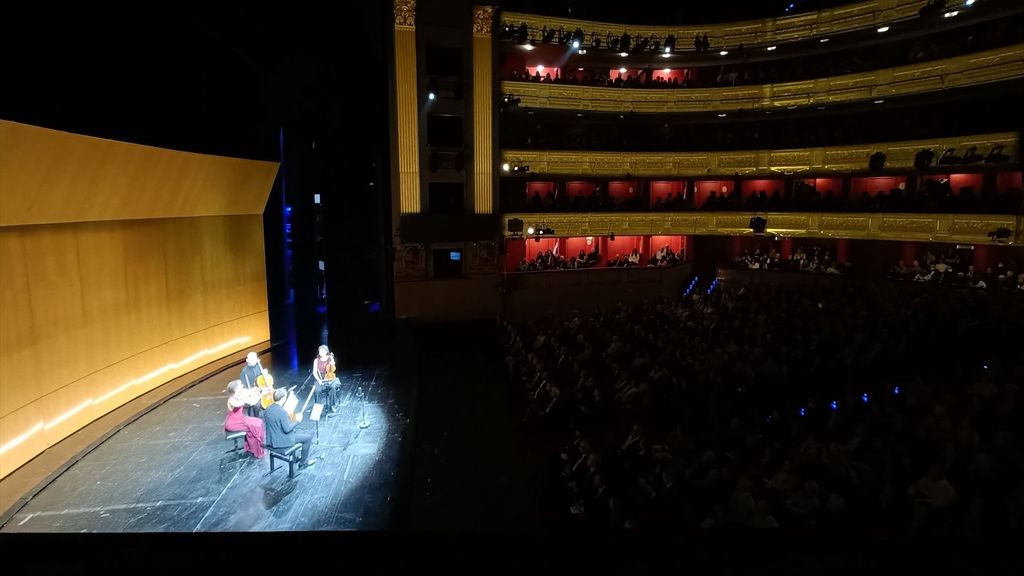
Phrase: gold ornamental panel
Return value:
(956, 228)
(747, 162)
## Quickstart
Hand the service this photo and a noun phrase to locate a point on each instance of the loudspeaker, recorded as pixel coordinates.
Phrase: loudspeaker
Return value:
(758, 224)
(515, 226)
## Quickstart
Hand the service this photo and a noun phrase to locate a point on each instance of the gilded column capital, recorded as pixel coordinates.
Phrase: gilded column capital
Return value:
(483, 20)
(405, 13)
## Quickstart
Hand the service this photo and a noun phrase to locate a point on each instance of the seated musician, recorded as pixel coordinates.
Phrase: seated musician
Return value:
(281, 431)
(236, 421)
(249, 378)
(251, 371)
(324, 369)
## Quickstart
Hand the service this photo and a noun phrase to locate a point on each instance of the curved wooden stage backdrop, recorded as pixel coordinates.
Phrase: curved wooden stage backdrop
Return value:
(123, 266)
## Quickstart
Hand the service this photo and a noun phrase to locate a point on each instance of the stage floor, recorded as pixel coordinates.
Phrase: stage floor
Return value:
(170, 470)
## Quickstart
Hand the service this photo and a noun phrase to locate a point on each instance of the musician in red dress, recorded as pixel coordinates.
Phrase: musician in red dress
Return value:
(237, 421)
(324, 369)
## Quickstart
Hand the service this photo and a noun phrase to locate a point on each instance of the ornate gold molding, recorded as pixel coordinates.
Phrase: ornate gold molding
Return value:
(406, 101)
(834, 158)
(483, 111)
(962, 228)
(410, 261)
(405, 13)
(969, 70)
(483, 20)
(830, 21)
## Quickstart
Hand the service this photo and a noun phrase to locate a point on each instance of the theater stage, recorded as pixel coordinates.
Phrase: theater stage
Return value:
(171, 470)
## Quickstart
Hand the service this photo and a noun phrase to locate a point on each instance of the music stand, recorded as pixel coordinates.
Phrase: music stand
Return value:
(314, 415)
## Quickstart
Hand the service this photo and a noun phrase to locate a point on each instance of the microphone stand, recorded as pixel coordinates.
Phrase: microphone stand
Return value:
(363, 422)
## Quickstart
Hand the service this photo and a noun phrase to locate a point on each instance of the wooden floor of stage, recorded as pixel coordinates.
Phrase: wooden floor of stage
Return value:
(171, 470)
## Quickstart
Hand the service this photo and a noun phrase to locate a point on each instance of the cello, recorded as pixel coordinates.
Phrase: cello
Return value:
(265, 382)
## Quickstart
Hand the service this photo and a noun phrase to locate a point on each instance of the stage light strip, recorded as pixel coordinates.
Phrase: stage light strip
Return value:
(47, 425)
(24, 436)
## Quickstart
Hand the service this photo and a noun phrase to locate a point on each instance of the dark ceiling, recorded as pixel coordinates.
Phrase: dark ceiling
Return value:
(220, 78)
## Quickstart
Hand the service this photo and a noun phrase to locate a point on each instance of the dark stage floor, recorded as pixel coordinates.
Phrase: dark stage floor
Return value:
(169, 471)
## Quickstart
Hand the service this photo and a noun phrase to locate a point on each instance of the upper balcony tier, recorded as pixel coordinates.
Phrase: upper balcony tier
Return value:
(996, 65)
(855, 16)
(563, 65)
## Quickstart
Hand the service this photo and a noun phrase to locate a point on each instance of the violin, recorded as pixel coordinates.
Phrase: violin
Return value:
(332, 368)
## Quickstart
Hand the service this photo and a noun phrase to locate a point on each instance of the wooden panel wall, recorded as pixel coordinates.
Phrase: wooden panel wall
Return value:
(48, 176)
(94, 313)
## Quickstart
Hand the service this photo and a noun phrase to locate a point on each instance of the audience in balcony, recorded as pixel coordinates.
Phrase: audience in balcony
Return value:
(769, 406)
(937, 46)
(950, 269)
(815, 259)
(549, 260)
(665, 257)
(934, 196)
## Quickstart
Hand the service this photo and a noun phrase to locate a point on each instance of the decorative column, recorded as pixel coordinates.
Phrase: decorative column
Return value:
(483, 110)
(981, 259)
(787, 248)
(909, 253)
(407, 107)
(841, 250)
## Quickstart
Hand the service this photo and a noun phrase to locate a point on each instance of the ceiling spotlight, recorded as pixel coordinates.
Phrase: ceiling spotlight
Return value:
(431, 96)
(771, 48)
(968, 2)
(622, 70)
(575, 43)
(667, 70)
(950, 14)
(668, 50)
(721, 115)
(580, 69)
(505, 167)
(530, 230)
(883, 29)
(527, 47)
(666, 55)
(723, 53)
(879, 101)
(623, 54)
(823, 40)
(583, 51)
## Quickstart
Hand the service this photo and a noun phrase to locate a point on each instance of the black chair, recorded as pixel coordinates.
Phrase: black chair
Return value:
(285, 454)
(236, 436)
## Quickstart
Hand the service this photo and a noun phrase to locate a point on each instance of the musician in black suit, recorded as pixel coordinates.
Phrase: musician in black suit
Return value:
(280, 428)
(250, 372)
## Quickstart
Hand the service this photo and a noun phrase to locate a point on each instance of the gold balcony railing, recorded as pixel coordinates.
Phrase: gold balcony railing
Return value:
(962, 228)
(995, 65)
(830, 158)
